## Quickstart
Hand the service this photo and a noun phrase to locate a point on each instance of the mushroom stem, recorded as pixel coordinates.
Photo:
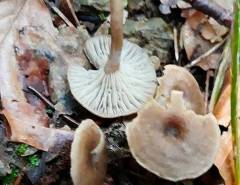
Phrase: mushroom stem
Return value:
(116, 7)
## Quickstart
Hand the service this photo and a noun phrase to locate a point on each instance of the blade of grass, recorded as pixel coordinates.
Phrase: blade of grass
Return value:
(220, 76)
(234, 92)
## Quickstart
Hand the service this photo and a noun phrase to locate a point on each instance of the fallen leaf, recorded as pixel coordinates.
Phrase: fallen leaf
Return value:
(209, 28)
(210, 62)
(27, 122)
(222, 108)
(195, 45)
(224, 158)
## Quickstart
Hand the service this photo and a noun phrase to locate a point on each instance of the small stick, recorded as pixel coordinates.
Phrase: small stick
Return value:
(60, 14)
(175, 35)
(73, 12)
(209, 74)
(209, 52)
(50, 104)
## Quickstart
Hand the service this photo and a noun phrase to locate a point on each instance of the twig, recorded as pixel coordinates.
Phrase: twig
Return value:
(73, 12)
(220, 76)
(60, 14)
(52, 106)
(234, 92)
(220, 14)
(209, 52)
(209, 74)
(176, 51)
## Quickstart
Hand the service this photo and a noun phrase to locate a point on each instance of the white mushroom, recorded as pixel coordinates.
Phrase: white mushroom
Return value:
(88, 155)
(178, 78)
(124, 79)
(173, 142)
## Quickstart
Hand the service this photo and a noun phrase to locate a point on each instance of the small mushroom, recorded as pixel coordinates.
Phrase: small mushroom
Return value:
(171, 141)
(124, 78)
(178, 78)
(88, 155)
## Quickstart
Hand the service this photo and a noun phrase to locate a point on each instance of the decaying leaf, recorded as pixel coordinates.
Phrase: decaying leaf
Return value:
(195, 44)
(71, 42)
(224, 159)
(27, 121)
(209, 28)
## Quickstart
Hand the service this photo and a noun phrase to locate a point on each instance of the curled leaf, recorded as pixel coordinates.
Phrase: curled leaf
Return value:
(27, 120)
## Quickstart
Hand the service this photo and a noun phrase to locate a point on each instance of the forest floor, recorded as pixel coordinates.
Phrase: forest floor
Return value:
(172, 32)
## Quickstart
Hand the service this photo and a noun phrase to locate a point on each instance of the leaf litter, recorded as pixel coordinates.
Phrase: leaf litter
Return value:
(34, 53)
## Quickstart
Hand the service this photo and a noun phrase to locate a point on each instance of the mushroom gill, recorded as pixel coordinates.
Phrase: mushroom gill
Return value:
(124, 79)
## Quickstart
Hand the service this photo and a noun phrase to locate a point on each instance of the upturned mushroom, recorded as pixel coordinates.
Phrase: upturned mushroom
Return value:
(178, 78)
(124, 78)
(88, 155)
(171, 141)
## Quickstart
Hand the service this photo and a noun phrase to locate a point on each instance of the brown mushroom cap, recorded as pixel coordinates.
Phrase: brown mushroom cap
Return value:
(172, 142)
(178, 78)
(88, 155)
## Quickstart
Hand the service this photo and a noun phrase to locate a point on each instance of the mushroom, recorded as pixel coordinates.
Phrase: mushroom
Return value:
(88, 155)
(124, 78)
(171, 141)
(178, 78)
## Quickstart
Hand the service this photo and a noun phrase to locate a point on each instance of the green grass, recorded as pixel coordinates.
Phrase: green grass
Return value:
(220, 76)
(234, 91)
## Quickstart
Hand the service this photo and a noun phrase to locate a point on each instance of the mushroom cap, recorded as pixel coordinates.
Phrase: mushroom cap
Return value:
(172, 142)
(88, 155)
(117, 94)
(178, 78)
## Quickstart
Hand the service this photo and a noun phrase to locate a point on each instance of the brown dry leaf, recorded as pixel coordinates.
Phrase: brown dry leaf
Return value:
(65, 49)
(210, 62)
(26, 121)
(210, 29)
(227, 170)
(224, 159)
(195, 45)
(222, 108)
(195, 18)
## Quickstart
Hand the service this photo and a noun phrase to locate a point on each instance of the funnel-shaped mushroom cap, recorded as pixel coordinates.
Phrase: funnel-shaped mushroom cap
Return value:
(88, 155)
(172, 142)
(178, 78)
(116, 94)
